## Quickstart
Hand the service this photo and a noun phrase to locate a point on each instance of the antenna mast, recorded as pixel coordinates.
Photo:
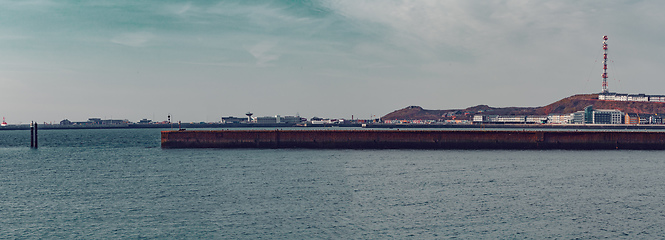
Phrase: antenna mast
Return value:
(605, 90)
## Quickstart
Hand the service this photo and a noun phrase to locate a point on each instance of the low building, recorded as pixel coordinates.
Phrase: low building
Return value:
(600, 116)
(145, 121)
(99, 121)
(409, 121)
(479, 118)
(321, 121)
(510, 119)
(536, 119)
(265, 120)
(558, 118)
(500, 119)
(607, 96)
(607, 116)
(657, 98)
(577, 117)
(278, 119)
(638, 97)
(644, 118)
(232, 119)
(631, 97)
(456, 121)
(291, 119)
(632, 118)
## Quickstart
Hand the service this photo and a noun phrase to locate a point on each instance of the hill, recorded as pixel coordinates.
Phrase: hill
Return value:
(564, 106)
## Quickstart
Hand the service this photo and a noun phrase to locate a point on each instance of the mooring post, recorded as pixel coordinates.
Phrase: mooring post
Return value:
(36, 138)
(32, 134)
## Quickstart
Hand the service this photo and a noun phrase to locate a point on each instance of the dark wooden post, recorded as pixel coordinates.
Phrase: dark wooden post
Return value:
(32, 134)
(36, 138)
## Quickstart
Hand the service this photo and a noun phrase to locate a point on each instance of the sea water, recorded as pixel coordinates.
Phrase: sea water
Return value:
(119, 183)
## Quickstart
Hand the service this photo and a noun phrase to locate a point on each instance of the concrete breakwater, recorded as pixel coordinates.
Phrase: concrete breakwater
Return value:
(400, 139)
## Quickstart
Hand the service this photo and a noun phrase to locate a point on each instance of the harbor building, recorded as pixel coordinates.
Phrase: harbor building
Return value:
(634, 118)
(577, 117)
(600, 116)
(264, 119)
(232, 119)
(607, 116)
(558, 118)
(277, 119)
(99, 121)
(145, 121)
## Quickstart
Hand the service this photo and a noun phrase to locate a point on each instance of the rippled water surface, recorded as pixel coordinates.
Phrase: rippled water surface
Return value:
(118, 183)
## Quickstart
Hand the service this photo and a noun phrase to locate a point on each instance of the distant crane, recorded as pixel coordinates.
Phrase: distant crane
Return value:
(249, 116)
(604, 75)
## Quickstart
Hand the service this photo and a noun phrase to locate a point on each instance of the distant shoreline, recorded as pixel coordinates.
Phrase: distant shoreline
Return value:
(170, 126)
(356, 125)
(528, 126)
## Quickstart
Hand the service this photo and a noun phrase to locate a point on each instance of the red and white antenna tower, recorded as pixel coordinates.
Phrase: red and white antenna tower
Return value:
(605, 90)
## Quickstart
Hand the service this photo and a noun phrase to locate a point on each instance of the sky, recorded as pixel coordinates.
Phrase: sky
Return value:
(201, 60)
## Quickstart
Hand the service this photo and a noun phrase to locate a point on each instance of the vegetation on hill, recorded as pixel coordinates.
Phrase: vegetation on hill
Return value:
(564, 106)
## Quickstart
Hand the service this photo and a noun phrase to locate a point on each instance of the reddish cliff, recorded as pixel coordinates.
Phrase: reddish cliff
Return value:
(564, 106)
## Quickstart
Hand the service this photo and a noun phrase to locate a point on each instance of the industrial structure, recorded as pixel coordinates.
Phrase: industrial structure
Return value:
(588, 115)
(605, 94)
(604, 90)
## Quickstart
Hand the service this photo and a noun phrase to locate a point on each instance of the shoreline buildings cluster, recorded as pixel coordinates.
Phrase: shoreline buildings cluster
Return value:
(586, 116)
(608, 96)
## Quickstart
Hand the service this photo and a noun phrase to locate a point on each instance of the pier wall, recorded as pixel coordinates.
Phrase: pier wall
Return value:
(400, 139)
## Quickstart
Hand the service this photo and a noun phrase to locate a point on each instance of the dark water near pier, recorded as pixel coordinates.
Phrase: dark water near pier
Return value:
(118, 183)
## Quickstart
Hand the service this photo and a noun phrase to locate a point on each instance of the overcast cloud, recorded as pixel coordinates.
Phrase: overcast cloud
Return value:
(202, 60)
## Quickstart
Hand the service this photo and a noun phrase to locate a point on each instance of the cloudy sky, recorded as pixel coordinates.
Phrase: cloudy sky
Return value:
(201, 60)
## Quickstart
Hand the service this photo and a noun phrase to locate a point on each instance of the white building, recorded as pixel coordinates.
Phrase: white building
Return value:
(657, 98)
(621, 97)
(559, 118)
(631, 97)
(510, 119)
(607, 96)
(290, 119)
(479, 118)
(265, 120)
(638, 97)
(536, 119)
(232, 119)
(607, 116)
